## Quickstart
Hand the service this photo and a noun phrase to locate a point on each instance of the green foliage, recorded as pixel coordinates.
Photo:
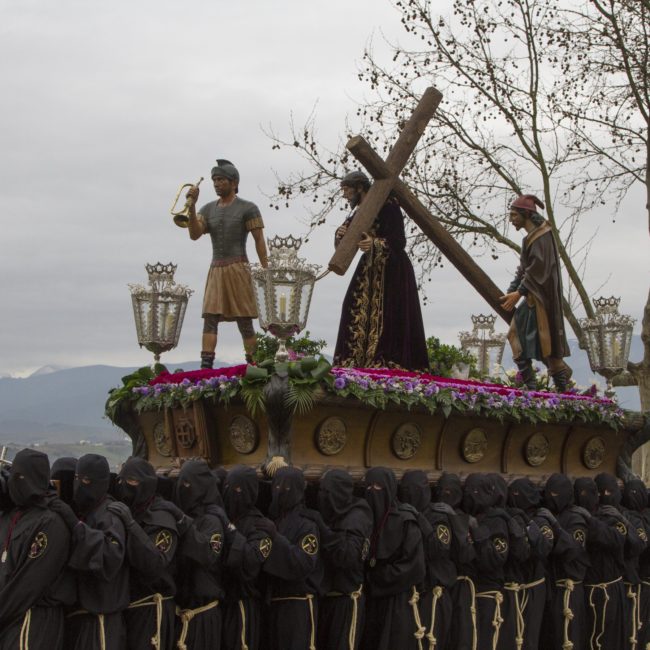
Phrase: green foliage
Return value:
(117, 397)
(443, 357)
(267, 346)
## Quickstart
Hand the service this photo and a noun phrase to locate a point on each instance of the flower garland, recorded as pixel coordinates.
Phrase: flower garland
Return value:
(382, 387)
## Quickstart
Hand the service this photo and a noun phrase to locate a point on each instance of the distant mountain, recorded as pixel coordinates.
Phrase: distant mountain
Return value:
(64, 406)
(61, 406)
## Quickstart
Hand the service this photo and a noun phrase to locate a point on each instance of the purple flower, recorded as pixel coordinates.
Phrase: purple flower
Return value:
(340, 383)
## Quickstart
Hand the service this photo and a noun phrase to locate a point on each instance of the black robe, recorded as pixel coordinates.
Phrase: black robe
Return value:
(294, 573)
(246, 556)
(34, 582)
(345, 551)
(381, 320)
(151, 548)
(102, 576)
(395, 569)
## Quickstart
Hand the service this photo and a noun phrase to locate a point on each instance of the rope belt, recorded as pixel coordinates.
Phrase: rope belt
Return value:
(568, 586)
(634, 594)
(472, 589)
(155, 600)
(310, 601)
(603, 586)
(242, 612)
(437, 595)
(497, 619)
(23, 642)
(420, 629)
(521, 602)
(355, 595)
(100, 620)
(186, 615)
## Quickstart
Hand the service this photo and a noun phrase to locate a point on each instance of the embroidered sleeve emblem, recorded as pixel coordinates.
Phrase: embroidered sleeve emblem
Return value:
(642, 534)
(163, 541)
(620, 527)
(579, 536)
(265, 547)
(500, 545)
(443, 534)
(216, 543)
(38, 546)
(365, 549)
(547, 532)
(309, 544)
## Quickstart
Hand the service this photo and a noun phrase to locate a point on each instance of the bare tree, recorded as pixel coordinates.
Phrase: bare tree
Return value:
(607, 100)
(548, 96)
(495, 135)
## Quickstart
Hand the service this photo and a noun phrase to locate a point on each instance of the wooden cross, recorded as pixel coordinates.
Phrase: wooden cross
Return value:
(386, 176)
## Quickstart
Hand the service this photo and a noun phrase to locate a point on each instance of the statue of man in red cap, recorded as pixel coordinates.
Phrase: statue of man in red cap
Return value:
(537, 327)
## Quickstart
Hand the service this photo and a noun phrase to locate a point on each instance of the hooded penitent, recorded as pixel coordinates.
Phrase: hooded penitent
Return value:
(586, 493)
(558, 493)
(609, 491)
(449, 490)
(414, 489)
(288, 491)
(63, 470)
(240, 490)
(500, 489)
(195, 488)
(335, 495)
(478, 494)
(635, 495)
(91, 482)
(137, 497)
(381, 493)
(29, 479)
(523, 494)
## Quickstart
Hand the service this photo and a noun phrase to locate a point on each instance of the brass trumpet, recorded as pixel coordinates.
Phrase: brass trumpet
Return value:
(182, 217)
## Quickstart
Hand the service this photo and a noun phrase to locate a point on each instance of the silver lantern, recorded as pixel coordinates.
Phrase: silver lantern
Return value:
(484, 343)
(608, 336)
(159, 309)
(283, 291)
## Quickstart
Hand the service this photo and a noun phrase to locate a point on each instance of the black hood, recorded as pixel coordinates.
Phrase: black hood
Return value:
(288, 491)
(381, 495)
(414, 489)
(449, 490)
(240, 491)
(29, 479)
(500, 489)
(609, 491)
(91, 482)
(137, 497)
(220, 474)
(479, 494)
(63, 471)
(381, 492)
(196, 487)
(635, 495)
(586, 493)
(523, 494)
(558, 493)
(335, 494)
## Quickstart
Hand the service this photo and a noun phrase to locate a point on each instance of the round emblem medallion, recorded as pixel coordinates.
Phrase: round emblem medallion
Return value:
(162, 442)
(406, 440)
(593, 454)
(243, 434)
(474, 445)
(185, 433)
(331, 436)
(537, 449)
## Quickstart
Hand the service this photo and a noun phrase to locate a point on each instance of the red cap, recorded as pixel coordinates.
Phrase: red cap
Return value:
(527, 202)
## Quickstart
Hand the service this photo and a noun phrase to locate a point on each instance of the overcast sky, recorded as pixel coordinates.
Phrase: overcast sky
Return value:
(108, 107)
